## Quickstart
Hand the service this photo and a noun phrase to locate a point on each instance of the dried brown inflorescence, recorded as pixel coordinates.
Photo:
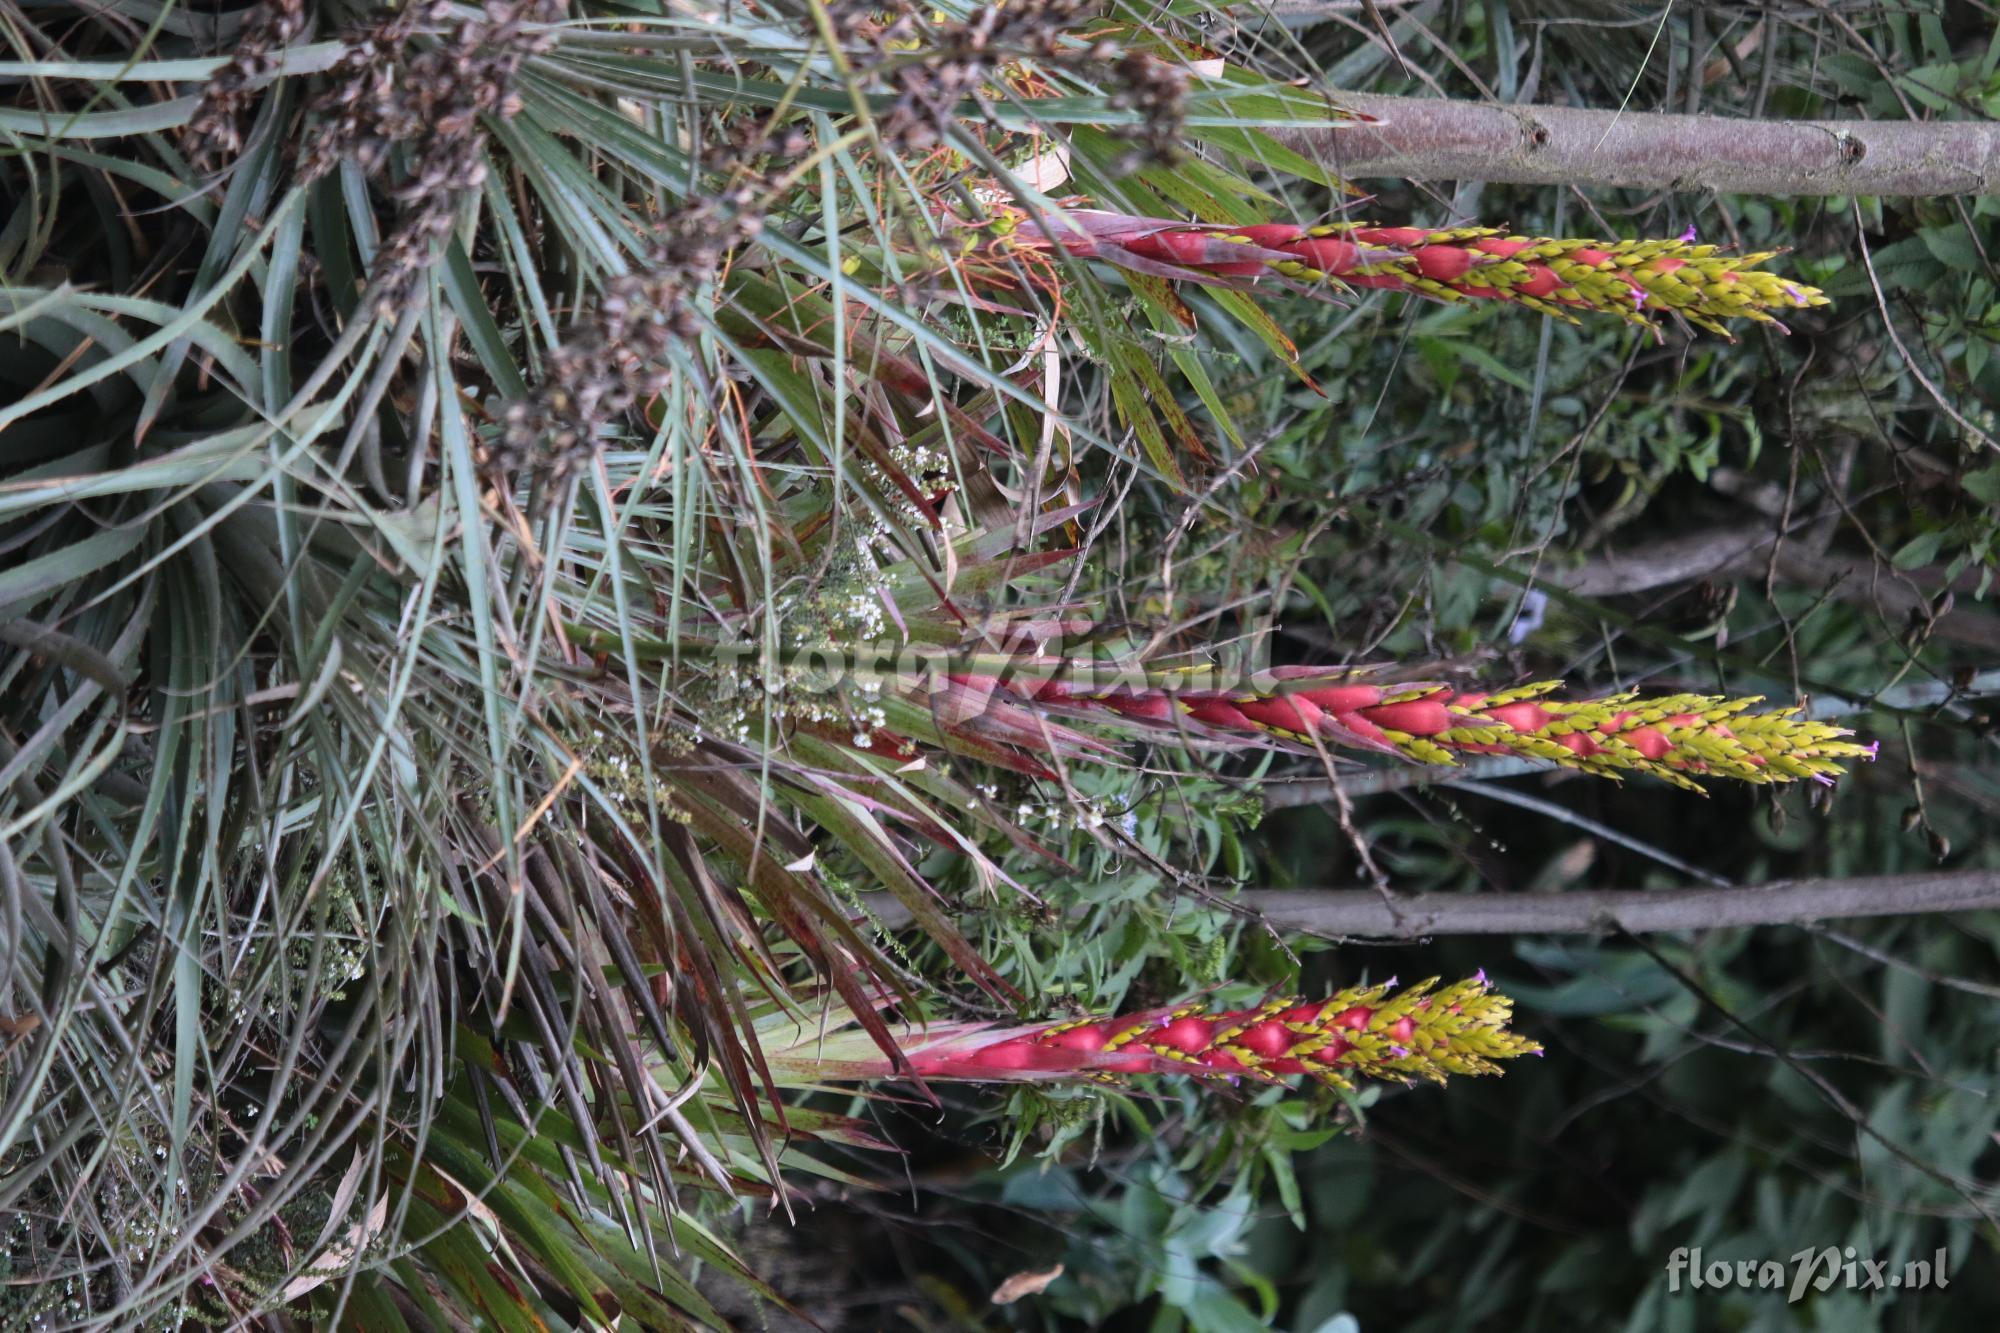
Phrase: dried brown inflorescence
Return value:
(933, 65)
(429, 105)
(1157, 90)
(214, 136)
(615, 354)
(611, 359)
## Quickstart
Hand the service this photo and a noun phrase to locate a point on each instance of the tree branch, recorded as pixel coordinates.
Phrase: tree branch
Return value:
(1366, 913)
(1437, 139)
(1900, 596)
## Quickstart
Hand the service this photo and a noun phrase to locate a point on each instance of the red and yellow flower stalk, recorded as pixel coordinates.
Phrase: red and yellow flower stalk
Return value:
(1676, 737)
(1634, 279)
(1417, 1033)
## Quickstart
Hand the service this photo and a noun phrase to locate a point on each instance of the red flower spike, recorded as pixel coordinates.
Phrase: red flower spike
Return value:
(1185, 1034)
(1523, 716)
(1327, 254)
(1126, 1064)
(1148, 707)
(1216, 712)
(1443, 263)
(1676, 737)
(1418, 717)
(1341, 698)
(1274, 234)
(1634, 280)
(1269, 1039)
(1089, 1037)
(1021, 1055)
(1284, 712)
(1177, 247)
(1402, 238)
(1364, 1030)
(1541, 282)
(1648, 741)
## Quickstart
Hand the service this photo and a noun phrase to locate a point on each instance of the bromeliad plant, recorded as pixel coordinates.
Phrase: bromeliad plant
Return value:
(1365, 1031)
(1675, 737)
(1636, 280)
(396, 396)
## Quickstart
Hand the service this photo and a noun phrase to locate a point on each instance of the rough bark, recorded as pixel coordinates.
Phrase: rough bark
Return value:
(1366, 913)
(1438, 139)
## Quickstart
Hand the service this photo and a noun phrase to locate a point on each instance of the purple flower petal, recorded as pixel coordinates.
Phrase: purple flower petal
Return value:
(1687, 237)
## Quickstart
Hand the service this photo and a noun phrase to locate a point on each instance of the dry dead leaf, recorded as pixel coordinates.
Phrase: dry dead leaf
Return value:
(1025, 1284)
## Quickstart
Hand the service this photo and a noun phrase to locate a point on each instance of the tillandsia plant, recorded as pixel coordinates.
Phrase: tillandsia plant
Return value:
(1366, 1031)
(1676, 737)
(1636, 280)
(394, 392)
